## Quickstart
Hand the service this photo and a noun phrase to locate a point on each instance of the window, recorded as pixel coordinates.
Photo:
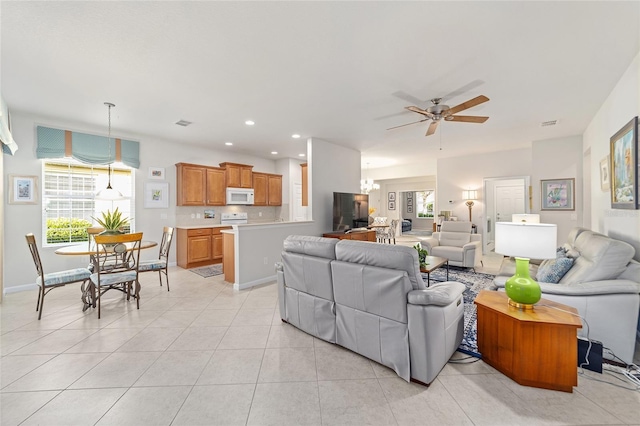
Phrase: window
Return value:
(68, 201)
(424, 203)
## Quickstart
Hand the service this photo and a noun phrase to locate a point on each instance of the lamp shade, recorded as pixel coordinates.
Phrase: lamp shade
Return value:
(526, 239)
(529, 218)
(470, 195)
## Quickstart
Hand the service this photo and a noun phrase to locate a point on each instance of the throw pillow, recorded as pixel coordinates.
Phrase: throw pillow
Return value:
(553, 270)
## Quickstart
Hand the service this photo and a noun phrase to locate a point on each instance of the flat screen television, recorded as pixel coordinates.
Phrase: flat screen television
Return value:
(350, 211)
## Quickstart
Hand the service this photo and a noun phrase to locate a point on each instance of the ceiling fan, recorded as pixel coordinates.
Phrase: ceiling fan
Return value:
(438, 112)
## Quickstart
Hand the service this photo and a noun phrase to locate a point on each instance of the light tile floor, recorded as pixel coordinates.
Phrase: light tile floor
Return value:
(204, 354)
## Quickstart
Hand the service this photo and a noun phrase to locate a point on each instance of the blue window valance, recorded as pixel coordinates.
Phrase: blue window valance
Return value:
(90, 149)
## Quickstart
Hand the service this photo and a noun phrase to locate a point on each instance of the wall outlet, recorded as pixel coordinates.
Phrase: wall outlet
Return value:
(198, 215)
(260, 215)
(266, 261)
(193, 215)
(163, 216)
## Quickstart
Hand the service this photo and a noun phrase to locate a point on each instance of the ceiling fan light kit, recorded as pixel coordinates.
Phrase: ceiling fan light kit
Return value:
(437, 112)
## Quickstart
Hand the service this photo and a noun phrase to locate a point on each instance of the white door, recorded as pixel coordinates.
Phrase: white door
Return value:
(504, 197)
(509, 200)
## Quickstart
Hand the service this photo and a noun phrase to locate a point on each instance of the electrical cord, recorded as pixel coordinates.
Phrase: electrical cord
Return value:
(631, 373)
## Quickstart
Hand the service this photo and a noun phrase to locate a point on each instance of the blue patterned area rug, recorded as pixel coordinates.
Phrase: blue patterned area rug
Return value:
(474, 283)
(208, 271)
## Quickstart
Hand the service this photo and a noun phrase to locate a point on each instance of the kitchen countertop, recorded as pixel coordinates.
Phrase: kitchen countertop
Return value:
(217, 225)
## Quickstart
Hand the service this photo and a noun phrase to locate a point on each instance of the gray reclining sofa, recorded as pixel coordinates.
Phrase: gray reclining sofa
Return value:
(370, 298)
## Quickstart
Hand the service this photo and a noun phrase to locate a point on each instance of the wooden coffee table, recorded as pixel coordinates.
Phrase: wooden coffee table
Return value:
(433, 263)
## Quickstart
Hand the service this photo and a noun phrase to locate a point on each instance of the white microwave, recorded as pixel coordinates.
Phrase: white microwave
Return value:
(242, 196)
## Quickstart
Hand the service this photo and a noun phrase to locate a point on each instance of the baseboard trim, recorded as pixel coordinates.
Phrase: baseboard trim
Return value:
(250, 284)
(19, 288)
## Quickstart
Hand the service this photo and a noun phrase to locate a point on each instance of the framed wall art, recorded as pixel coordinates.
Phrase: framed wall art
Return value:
(156, 172)
(391, 196)
(605, 175)
(392, 205)
(624, 167)
(156, 195)
(557, 194)
(23, 189)
(409, 209)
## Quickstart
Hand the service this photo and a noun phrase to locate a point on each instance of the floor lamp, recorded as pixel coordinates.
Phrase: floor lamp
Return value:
(470, 196)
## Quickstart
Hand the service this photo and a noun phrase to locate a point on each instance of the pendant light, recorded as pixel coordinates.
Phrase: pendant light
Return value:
(109, 193)
(368, 185)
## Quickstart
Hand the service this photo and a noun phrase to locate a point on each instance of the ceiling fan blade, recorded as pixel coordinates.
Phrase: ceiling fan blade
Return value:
(407, 97)
(470, 103)
(419, 111)
(467, 118)
(408, 124)
(432, 128)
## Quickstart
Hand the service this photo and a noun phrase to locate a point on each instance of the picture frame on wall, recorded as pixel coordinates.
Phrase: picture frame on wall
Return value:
(156, 195)
(409, 195)
(156, 173)
(605, 174)
(392, 205)
(557, 194)
(624, 166)
(409, 209)
(391, 196)
(23, 189)
(409, 202)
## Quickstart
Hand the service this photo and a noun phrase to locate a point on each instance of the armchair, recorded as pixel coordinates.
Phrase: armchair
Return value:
(456, 243)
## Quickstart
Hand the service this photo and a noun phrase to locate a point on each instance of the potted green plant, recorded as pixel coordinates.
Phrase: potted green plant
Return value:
(112, 222)
(422, 254)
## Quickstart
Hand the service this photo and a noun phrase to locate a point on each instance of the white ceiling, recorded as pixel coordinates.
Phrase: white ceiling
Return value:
(338, 71)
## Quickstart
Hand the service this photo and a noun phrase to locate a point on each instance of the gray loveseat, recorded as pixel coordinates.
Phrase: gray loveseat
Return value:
(370, 298)
(603, 285)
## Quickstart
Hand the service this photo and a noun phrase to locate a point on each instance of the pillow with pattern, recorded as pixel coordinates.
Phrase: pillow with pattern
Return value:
(553, 270)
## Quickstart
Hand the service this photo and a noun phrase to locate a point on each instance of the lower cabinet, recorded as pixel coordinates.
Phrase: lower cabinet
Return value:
(199, 247)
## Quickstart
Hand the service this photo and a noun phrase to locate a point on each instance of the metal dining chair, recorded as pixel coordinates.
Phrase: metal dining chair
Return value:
(161, 264)
(117, 261)
(47, 282)
(91, 233)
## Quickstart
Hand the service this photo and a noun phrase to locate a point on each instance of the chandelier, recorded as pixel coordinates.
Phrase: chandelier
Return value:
(109, 193)
(368, 185)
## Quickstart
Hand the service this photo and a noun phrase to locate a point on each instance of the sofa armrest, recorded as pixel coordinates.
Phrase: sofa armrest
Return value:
(473, 245)
(582, 289)
(429, 243)
(441, 294)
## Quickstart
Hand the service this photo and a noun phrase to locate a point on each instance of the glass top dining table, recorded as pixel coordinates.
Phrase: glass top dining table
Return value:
(84, 250)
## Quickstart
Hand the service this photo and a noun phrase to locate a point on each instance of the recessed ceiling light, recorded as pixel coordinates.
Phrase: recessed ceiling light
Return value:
(301, 155)
(249, 123)
(228, 143)
(183, 123)
(274, 152)
(295, 136)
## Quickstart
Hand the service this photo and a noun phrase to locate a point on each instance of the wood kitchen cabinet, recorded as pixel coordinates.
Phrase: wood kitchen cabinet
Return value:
(267, 189)
(238, 175)
(216, 189)
(200, 185)
(199, 247)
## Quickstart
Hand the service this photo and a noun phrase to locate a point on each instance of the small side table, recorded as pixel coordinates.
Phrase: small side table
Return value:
(536, 348)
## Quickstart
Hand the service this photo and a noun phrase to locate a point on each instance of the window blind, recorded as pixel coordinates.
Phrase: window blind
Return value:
(89, 149)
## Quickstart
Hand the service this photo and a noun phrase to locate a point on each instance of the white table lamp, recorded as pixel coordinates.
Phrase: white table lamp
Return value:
(524, 217)
(524, 241)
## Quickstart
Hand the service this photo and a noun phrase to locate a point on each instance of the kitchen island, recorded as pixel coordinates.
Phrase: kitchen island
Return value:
(252, 249)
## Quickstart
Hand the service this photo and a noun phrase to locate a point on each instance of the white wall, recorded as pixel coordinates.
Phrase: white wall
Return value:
(461, 173)
(559, 158)
(622, 104)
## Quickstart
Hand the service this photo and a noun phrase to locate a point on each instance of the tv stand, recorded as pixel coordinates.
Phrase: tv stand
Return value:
(367, 235)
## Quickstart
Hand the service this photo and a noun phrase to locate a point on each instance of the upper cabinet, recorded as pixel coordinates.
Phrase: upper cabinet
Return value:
(267, 189)
(238, 175)
(200, 185)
